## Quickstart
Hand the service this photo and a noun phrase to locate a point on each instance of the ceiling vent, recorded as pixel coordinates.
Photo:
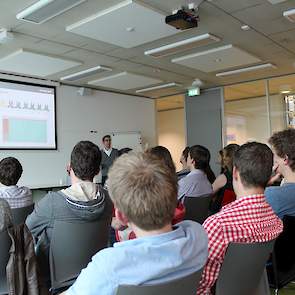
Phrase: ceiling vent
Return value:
(84, 74)
(45, 10)
(183, 45)
(290, 15)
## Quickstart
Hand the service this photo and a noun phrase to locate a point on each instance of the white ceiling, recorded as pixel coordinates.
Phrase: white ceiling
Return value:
(270, 39)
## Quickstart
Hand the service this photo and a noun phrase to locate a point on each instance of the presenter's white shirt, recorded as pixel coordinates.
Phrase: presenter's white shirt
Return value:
(108, 152)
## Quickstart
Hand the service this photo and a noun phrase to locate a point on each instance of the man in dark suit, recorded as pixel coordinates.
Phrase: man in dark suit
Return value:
(109, 154)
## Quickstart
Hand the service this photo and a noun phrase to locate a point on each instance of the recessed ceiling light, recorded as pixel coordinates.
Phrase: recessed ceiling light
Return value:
(285, 91)
(186, 44)
(168, 85)
(245, 27)
(247, 69)
(290, 15)
(44, 10)
(85, 73)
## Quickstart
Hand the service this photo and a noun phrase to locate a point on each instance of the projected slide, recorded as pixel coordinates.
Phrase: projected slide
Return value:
(27, 116)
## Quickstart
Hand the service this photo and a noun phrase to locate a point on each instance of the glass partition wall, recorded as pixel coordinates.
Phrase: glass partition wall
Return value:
(254, 110)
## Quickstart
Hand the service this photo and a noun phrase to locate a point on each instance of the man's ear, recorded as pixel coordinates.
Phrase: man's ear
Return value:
(235, 173)
(122, 218)
(286, 160)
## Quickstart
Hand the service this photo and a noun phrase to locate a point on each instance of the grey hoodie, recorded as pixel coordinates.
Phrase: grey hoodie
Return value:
(5, 216)
(16, 196)
(59, 206)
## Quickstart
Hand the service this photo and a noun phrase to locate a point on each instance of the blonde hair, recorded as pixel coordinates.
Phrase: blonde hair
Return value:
(143, 189)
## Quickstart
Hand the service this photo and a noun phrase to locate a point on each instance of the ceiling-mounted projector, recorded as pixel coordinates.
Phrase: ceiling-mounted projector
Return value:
(182, 19)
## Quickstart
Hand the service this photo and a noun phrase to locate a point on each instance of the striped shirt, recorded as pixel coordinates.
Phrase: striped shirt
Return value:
(249, 219)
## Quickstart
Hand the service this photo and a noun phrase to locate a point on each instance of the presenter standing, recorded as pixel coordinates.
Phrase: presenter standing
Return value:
(109, 154)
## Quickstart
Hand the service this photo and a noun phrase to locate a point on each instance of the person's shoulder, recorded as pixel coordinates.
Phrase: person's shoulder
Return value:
(273, 191)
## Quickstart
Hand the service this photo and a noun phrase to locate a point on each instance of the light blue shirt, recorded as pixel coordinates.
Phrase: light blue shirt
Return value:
(195, 184)
(149, 260)
(282, 199)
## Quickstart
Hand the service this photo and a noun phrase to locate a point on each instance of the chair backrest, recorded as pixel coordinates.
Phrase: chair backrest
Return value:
(185, 286)
(281, 270)
(197, 208)
(19, 215)
(72, 247)
(5, 244)
(242, 268)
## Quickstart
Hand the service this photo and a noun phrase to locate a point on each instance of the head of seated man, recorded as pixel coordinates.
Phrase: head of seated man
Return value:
(281, 198)
(10, 172)
(198, 182)
(144, 192)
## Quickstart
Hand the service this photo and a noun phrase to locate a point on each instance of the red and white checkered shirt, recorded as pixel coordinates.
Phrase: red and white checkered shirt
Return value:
(249, 219)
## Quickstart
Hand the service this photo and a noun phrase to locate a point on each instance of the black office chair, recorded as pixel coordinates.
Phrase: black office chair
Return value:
(185, 286)
(72, 247)
(281, 266)
(19, 215)
(242, 270)
(197, 208)
(5, 244)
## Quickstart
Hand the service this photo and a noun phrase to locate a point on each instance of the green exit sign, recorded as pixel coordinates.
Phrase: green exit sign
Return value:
(193, 91)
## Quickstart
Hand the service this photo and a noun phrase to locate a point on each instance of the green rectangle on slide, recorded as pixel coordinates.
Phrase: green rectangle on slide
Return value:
(21, 130)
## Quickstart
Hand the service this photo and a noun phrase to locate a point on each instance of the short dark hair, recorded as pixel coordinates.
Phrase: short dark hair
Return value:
(10, 171)
(228, 156)
(283, 143)
(164, 155)
(254, 161)
(85, 160)
(200, 155)
(185, 152)
(105, 137)
(125, 150)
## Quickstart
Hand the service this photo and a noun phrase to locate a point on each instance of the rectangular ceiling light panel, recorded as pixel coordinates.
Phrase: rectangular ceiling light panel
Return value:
(127, 24)
(37, 64)
(173, 48)
(276, 1)
(161, 90)
(124, 81)
(290, 15)
(86, 73)
(247, 69)
(44, 10)
(217, 59)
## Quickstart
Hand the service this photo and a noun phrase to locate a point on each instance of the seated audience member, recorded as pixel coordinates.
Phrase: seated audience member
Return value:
(223, 184)
(160, 252)
(10, 172)
(282, 198)
(83, 201)
(183, 160)
(163, 154)
(196, 183)
(5, 216)
(249, 219)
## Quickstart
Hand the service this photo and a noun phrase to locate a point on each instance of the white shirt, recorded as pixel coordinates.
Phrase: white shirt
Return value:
(108, 152)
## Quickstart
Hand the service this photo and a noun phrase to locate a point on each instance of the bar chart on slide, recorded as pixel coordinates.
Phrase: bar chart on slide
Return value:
(27, 117)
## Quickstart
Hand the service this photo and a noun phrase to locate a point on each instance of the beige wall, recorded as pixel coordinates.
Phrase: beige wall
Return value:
(171, 132)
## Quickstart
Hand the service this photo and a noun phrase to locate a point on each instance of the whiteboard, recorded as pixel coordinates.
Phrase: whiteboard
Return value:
(131, 139)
